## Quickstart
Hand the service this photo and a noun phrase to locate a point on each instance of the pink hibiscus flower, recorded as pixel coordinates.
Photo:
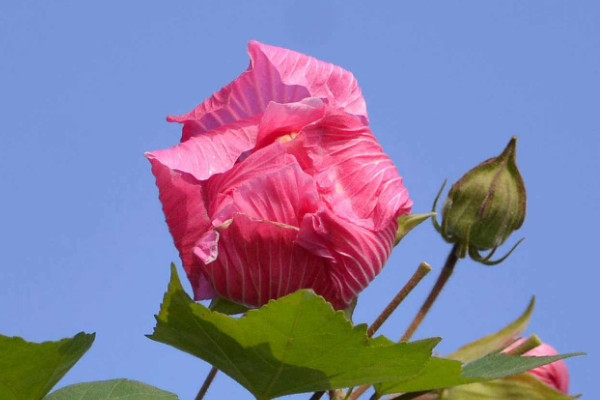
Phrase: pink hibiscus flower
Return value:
(278, 184)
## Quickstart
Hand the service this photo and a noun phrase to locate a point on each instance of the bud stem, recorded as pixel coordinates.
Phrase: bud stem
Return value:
(531, 343)
(358, 392)
(419, 274)
(437, 288)
(209, 379)
(317, 395)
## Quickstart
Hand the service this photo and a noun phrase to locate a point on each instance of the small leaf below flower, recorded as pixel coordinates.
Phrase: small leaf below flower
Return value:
(295, 344)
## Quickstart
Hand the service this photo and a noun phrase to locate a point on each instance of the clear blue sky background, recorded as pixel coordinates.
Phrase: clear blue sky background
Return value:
(85, 88)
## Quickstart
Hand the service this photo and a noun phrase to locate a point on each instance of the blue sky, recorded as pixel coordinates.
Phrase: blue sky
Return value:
(85, 88)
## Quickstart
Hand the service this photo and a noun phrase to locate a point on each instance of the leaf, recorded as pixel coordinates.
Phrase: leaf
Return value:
(407, 223)
(228, 307)
(28, 371)
(295, 344)
(496, 341)
(517, 387)
(439, 373)
(494, 366)
(349, 311)
(442, 373)
(120, 389)
(481, 360)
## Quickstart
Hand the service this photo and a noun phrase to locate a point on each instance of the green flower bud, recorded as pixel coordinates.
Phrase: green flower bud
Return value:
(485, 206)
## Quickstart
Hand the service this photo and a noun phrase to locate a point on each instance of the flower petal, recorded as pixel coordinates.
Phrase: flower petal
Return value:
(252, 256)
(262, 162)
(355, 254)
(258, 260)
(182, 199)
(354, 176)
(212, 152)
(555, 374)
(322, 79)
(278, 75)
(283, 196)
(280, 120)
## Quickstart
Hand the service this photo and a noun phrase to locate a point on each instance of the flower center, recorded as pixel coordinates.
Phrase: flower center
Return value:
(287, 138)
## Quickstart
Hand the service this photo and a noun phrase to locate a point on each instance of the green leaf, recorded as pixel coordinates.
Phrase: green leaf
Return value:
(439, 373)
(295, 344)
(496, 341)
(494, 366)
(349, 311)
(228, 307)
(517, 387)
(28, 371)
(478, 361)
(442, 373)
(117, 389)
(407, 223)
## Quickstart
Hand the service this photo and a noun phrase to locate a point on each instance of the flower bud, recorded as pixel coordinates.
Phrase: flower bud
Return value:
(555, 375)
(485, 206)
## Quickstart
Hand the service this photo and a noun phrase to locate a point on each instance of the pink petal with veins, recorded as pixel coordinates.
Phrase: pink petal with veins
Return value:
(322, 79)
(259, 261)
(355, 254)
(182, 198)
(280, 120)
(354, 176)
(261, 162)
(277, 75)
(257, 227)
(213, 152)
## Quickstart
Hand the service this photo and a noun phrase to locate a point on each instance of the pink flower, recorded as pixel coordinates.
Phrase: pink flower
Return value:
(555, 375)
(278, 184)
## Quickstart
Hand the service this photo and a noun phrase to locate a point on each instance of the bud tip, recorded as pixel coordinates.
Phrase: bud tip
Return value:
(511, 148)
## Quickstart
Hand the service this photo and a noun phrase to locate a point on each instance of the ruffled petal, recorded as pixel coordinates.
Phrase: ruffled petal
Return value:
(210, 153)
(283, 196)
(260, 163)
(355, 255)
(277, 75)
(284, 121)
(322, 79)
(259, 260)
(251, 255)
(182, 198)
(354, 176)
